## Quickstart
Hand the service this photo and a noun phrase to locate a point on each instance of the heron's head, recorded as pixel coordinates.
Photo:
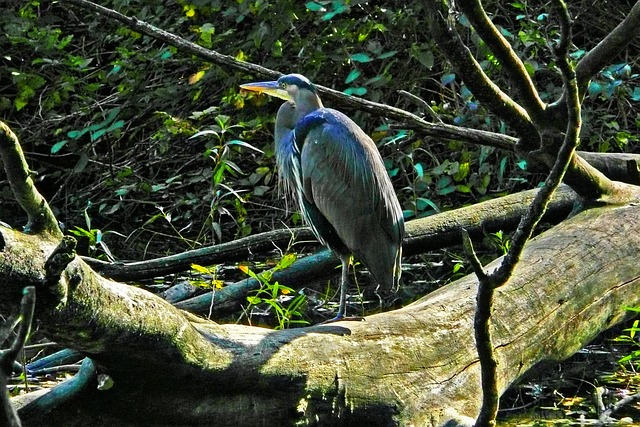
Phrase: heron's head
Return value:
(291, 87)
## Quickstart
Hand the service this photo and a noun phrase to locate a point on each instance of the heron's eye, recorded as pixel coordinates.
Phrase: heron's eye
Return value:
(283, 85)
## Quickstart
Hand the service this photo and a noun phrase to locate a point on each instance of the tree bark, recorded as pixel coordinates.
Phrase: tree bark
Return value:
(416, 365)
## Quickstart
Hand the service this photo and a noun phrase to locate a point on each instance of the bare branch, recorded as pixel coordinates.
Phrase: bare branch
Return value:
(470, 253)
(488, 284)
(41, 218)
(27, 306)
(67, 391)
(485, 90)
(608, 48)
(8, 414)
(521, 82)
(486, 355)
(566, 153)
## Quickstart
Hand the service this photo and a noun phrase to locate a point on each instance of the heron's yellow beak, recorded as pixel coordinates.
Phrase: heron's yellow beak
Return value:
(268, 88)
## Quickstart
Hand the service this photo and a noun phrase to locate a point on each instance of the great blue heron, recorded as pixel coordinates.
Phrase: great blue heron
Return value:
(338, 177)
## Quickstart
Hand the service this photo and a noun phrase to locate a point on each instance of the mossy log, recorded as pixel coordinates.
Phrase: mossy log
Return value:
(413, 366)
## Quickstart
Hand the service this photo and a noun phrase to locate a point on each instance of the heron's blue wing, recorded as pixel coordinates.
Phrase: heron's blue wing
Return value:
(344, 178)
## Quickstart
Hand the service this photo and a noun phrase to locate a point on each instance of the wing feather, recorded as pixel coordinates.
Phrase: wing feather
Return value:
(343, 175)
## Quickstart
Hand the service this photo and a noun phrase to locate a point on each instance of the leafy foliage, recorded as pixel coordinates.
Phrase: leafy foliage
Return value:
(631, 338)
(108, 115)
(284, 302)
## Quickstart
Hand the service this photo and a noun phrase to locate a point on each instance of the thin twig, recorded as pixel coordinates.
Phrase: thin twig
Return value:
(8, 414)
(567, 151)
(424, 104)
(470, 253)
(27, 306)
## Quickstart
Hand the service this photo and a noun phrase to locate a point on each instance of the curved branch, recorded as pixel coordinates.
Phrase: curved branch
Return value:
(521, 82)
(8, 414)
(27, 306)
(563, 160)
(485, 90)
(235, 250)
(608, 48)
(598, 57)
(65, 392)
(488, 284)
(41, 217)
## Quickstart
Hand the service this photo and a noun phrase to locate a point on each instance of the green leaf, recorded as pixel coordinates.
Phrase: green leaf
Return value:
(419, 170)
(425, 58)
(20, 103)
(423, 204)
(244, 144)
(115, 70)
(97, 134)
(82, 163)
(389, 54)
(115, 125)
(361, 57)
(354, 74)
(315, 7)
(286, 261)
(111, 116)
(58, 146)
(444, 185)
(448, 78)
(200, 269)
(75, 134)
(359, 91)
(595, 88)
(253, 300)
(462, 188)
(522, 164)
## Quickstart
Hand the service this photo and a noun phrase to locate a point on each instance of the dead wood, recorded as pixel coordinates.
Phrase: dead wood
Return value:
(413, 365)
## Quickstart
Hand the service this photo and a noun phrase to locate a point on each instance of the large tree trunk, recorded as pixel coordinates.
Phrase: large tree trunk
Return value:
(416, 365)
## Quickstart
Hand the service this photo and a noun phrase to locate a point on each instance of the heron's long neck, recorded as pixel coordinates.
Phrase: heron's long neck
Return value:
(306, 102)
(285, 122)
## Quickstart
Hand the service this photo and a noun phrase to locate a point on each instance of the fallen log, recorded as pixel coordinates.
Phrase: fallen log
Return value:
(416, 365)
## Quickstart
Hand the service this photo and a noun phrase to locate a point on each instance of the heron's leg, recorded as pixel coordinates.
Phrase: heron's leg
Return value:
(344, 285)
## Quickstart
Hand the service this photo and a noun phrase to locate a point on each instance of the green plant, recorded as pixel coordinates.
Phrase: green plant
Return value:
(631, 338)
(499, 240)
(95, 131)
(93, 238)
(207, 277)
(220, 151)
(284, 302)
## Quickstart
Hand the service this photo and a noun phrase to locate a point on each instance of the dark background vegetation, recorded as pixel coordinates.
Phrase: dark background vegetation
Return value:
(105, 114)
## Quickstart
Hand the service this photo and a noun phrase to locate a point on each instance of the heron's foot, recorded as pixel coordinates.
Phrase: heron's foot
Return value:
(342, 317)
